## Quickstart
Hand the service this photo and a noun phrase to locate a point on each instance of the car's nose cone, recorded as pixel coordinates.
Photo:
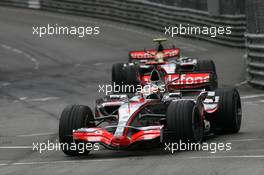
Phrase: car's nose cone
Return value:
(121, 141)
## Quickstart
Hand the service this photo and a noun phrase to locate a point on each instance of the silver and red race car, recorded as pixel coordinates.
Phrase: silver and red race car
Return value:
(151, 117)
(194, 73)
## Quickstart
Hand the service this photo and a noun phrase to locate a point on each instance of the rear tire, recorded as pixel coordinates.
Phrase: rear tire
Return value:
(132, 76)
(184, 122)
(73, 117)
(208, 65)
(229, 115)
(118, 77)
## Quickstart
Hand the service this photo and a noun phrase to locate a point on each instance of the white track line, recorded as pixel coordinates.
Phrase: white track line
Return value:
(5, 84)
(61, 162)
(122, 159)
(26, 99)
(3, 164)
(38, 163)
(253, 102)
(15, 50)
(242, 83)
(43, 99)
(224, 157)
(246, 140)
(248, 150)
(16, 147)
(252, 96)
(65, 161)
(37, 134)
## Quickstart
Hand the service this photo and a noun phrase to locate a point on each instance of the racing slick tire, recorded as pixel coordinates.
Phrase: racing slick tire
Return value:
(73, 117)
(118, 77)
(229, 114)
(132, 75)
(184, 122)
(208, 65)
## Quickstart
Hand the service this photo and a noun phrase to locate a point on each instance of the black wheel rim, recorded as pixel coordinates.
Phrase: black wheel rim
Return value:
(197, 126)
(238, 111)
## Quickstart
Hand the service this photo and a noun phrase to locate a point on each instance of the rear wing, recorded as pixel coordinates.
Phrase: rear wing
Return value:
(188, 81)
(150, 54)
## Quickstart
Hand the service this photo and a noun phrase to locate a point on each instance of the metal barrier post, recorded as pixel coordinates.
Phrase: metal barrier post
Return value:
(213, 7)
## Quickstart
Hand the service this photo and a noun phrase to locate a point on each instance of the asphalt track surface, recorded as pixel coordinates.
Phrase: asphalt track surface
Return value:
(40, 76)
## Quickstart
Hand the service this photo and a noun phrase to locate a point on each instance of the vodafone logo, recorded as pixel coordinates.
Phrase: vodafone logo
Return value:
(188, 79)
(184, 79)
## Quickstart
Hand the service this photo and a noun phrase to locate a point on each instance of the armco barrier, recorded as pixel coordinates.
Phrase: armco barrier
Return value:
(255, 59)
(144, 13)
(16, 3)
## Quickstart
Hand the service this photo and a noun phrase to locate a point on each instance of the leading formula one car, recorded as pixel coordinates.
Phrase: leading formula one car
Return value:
(152, 116)
(195, 73)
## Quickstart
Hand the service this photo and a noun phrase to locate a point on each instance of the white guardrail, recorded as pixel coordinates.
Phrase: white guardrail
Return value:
(157, 16)
(255, 59)
(144, 13)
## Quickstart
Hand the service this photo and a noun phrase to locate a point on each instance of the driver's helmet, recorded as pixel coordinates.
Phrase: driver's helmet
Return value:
(159, 57)
(152, 91)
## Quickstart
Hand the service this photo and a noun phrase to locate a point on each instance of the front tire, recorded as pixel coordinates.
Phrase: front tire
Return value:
(73, 117)
(184, 122)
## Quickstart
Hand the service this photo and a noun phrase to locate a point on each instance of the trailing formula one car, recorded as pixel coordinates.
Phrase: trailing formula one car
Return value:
(195, 73)
(153, 116)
